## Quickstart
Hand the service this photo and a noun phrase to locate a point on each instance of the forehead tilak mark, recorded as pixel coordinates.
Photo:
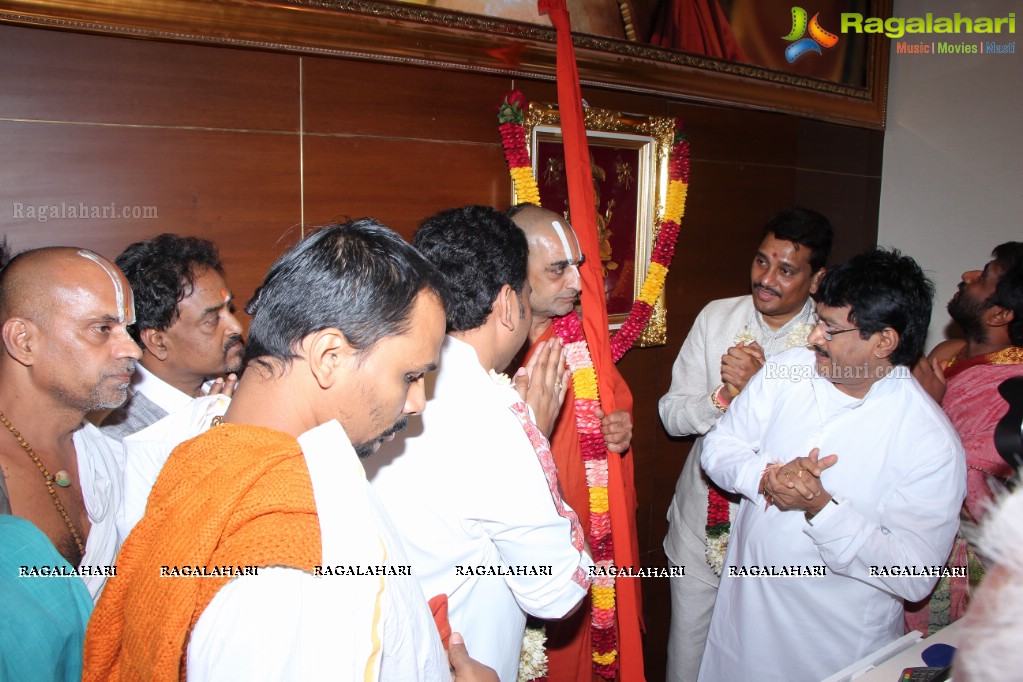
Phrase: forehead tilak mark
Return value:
(122, 308)
(560, 231)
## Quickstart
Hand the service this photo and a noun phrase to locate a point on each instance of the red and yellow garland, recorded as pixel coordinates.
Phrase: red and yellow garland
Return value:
(584, 378)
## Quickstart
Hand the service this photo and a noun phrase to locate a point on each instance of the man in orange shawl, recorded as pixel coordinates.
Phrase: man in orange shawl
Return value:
(963, 376)
(263, 553)
(554, 258)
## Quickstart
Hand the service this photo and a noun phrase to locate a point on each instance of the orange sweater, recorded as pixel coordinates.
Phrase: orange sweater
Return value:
(234, 496)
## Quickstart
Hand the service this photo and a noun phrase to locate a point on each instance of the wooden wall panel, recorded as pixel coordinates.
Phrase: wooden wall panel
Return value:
(399, 101)
(398, 181)
(233, 145)
(239, 189)
(58, 76)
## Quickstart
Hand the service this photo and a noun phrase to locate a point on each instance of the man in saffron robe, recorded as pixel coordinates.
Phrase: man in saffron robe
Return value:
(963, 375)
(554, 258)
(304, 578)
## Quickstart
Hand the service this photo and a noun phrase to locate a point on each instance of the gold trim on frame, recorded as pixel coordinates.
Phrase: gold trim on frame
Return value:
(652, 136)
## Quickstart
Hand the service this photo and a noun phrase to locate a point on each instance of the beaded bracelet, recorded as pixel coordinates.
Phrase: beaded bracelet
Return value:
(715, 399)
(768, 497)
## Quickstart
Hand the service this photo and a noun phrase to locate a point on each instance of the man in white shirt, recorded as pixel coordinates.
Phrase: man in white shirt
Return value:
(475, 492)
(728, 343)
(146, 452)
(344, 328)
(851, 479)
(186, 328)
(65, 314)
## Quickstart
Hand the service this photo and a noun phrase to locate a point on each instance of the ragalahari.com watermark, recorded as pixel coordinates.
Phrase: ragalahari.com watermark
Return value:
(82, 211)
(796, 373)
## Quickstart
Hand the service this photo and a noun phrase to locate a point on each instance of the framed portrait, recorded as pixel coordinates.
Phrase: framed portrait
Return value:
(629, 167)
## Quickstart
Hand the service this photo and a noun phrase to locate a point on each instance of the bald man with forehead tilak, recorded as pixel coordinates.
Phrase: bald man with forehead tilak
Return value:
(554, 260)
(64, 314)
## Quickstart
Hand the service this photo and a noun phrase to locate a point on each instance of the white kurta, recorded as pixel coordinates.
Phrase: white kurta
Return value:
(467, 491)
(899, 480)
(165, 396)
(286, 624)
(100, 475)
(146, 451)
(686, 409)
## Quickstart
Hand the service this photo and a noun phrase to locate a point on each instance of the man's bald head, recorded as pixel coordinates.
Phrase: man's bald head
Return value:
(554, 260)
(31, 281)
(536, 220)
(64, 313)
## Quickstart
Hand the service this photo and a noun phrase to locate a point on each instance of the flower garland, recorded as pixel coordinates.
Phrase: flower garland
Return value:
(533, 657)
(719, 528)
(603, 632)
(511, 115)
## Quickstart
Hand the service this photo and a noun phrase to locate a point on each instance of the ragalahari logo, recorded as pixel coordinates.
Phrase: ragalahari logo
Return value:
(818, 36)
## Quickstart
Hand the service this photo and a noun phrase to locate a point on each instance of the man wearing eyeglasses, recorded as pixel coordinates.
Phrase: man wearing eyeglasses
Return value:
(851, 480)
(728, 344)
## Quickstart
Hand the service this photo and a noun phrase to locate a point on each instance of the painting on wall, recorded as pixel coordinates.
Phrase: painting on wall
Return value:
(628, 164)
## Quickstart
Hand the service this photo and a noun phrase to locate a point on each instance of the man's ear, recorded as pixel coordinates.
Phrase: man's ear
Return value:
(997, 316)
(154, 342)
(506, 307)
(887, 341)
(329, 356)
(815, 281)
(19, 339)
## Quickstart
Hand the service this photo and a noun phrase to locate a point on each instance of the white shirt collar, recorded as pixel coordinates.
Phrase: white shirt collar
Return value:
(159, 391)
(791, 334)
(826, 390)
(801, 318)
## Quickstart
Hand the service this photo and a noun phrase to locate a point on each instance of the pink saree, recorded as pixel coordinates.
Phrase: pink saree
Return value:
(974, 406)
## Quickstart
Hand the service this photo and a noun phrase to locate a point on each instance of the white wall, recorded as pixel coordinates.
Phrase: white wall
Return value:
(951, 186)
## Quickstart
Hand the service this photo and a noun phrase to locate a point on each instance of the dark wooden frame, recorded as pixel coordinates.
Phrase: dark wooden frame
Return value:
(412, 34)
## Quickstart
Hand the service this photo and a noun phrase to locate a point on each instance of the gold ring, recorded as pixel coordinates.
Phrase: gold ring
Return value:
(558, 385)
(800, 474)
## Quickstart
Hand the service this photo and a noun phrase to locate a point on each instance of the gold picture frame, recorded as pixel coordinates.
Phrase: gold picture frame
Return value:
(629, 157)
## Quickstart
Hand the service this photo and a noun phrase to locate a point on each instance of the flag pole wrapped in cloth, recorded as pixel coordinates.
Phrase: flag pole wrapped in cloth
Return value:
(616, 640)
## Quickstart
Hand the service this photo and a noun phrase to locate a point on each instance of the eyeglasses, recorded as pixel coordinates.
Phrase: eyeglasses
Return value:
(829, 334)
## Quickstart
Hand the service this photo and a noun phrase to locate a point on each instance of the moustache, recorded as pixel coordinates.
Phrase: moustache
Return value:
(127, 368)
(366, 449)
(232, 341)
(818, 349)
(758, 285)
